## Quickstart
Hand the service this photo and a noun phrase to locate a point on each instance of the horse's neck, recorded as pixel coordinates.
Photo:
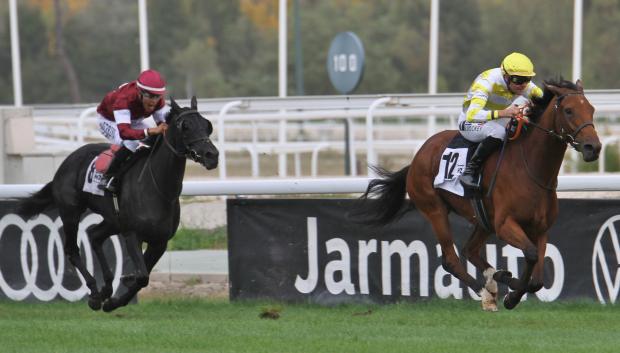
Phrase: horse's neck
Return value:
(168, 170)
(542, 153)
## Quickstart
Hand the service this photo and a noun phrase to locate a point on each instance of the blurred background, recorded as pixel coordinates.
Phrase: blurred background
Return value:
(227, 54)
(74, 51)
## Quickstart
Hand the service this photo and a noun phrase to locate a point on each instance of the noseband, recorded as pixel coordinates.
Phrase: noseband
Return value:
(565, 136)
(186, 151)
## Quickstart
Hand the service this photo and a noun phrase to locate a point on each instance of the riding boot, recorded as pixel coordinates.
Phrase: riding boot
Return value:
(108, 181)
(469, 179)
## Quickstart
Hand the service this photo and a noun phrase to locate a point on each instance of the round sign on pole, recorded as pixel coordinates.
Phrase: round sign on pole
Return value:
(345, 62)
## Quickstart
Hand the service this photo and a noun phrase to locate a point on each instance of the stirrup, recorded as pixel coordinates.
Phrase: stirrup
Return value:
(108, 185)
(470, 181)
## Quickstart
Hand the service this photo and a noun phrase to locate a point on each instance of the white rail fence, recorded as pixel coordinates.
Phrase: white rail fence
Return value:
(239, 121)
(289, 186)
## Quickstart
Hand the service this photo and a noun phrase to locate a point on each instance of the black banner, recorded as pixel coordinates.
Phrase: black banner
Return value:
(32, 262)
(299, 250)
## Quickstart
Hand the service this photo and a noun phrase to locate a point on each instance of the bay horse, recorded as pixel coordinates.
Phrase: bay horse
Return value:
(523, 204)
(148, 203)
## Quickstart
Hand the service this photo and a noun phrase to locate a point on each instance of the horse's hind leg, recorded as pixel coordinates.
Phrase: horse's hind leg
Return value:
(512, 234)
(98, 234)
(471, 251)
(437, 214)
(70, 221)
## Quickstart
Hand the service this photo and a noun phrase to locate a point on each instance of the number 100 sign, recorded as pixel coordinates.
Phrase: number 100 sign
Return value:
(345, 62)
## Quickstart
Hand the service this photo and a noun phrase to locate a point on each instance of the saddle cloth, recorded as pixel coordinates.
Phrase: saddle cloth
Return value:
(92, 179)
(97, 167)
(453, 162)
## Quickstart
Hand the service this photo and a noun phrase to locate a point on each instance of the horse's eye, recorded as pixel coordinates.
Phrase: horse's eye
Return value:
(568, 111)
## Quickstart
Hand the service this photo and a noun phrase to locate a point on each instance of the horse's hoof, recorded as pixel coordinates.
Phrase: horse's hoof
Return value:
(502, 276)
(109, 305)
(510, 302)
(94, 303)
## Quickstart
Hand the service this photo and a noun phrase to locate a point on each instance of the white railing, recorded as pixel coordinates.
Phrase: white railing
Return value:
(284, 186)
(60, 133)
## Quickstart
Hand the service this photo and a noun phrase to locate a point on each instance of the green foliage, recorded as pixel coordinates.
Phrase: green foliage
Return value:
(215, 48)
(193, 239)
(175, 325)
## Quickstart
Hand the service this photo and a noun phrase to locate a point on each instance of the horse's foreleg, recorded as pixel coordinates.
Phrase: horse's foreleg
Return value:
(512, 233)
(133, 282)
(536, 282)
(471, 252)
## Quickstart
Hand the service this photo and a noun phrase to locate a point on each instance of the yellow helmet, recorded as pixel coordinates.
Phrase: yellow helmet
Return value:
(518, 64)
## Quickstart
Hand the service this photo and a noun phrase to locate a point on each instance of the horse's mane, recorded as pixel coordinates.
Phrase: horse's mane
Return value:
(540, 103)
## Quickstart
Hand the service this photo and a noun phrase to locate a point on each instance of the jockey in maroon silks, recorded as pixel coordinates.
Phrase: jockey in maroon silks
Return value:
(121, 117)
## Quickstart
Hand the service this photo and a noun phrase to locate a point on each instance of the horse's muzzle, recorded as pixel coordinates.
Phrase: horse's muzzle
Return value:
(590, 151)
(210, 160)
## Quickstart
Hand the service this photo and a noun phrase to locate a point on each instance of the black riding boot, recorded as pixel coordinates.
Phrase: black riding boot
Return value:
(469, 179)
(108, 181)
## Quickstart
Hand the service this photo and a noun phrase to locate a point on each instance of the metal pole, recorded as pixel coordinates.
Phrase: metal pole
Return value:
(299, 58)
(432, 59)
(282, 81)
(577, 32)
(15, 58)
(144, 35)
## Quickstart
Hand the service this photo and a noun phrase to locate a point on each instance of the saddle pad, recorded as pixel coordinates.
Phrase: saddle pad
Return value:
(93, 177)
(453, 162)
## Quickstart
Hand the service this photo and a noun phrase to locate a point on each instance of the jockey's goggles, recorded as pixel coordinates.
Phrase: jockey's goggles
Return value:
(519, 80)
(150, 95)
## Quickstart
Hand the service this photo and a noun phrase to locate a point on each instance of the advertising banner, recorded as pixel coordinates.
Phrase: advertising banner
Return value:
(312, 250)
(33, 265)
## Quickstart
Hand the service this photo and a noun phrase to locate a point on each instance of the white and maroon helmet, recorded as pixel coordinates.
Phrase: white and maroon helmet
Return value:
(152, 82)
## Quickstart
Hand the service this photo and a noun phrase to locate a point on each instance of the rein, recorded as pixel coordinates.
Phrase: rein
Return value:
(173, 150)
(563, 137)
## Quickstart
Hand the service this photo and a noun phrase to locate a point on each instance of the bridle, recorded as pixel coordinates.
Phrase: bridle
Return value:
(564, 136)
(186, 150)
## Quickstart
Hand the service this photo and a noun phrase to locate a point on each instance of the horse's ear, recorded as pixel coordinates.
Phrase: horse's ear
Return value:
(194, 103)
(553, 89)
(579, 85)
(174, 105)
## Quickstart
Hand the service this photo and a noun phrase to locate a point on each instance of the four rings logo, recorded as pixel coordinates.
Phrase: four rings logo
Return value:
(609, 266)
(55, 269)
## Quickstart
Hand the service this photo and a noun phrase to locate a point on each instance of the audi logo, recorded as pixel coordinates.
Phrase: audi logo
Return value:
(608, 286)
(56, 269)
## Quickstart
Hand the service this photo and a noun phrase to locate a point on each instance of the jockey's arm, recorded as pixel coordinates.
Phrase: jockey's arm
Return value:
(123, 122)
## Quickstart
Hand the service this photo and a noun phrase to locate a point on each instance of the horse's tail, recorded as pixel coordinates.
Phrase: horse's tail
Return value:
(36, 203)
(390, 191)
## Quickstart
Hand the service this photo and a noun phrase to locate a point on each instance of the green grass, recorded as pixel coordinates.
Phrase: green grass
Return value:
(192, 239)
(177, 325)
